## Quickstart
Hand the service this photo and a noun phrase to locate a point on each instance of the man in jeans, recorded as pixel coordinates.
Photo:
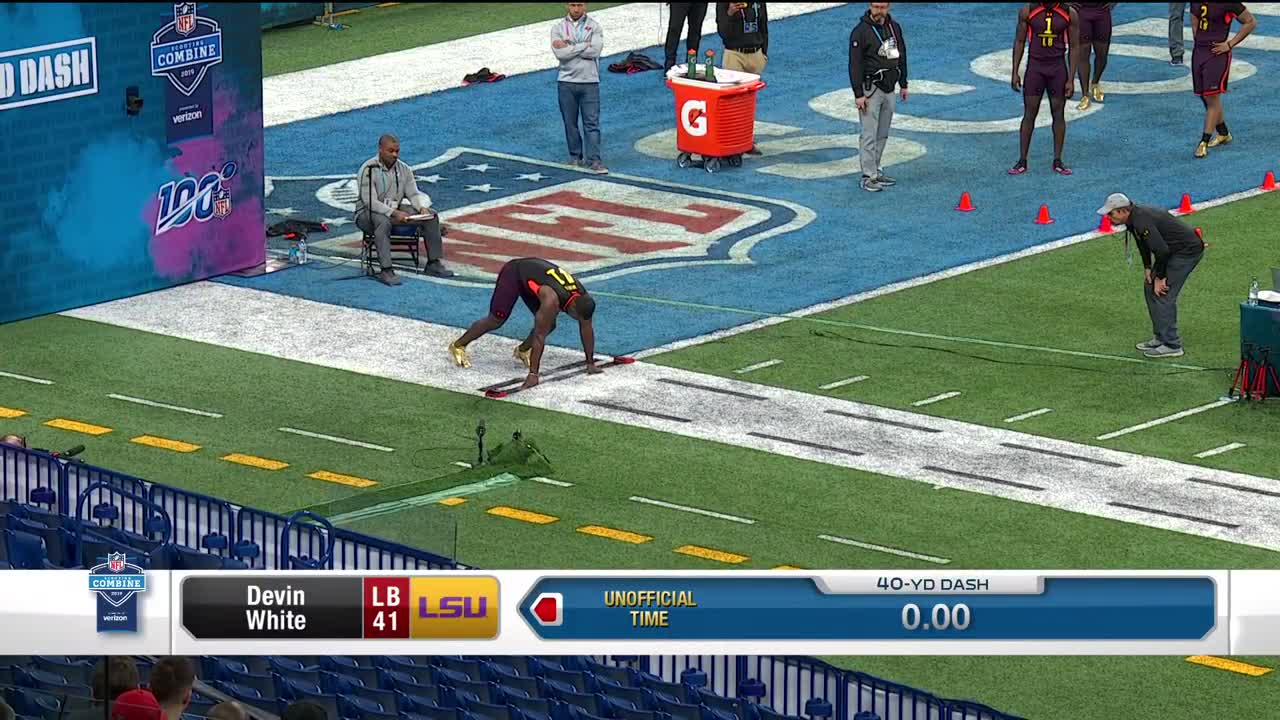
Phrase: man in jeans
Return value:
(877, 69)
(577, 42)
(1176, 12)
(1170, 250)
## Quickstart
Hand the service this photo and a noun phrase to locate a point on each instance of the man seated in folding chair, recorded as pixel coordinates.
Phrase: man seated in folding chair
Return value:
(384, 182)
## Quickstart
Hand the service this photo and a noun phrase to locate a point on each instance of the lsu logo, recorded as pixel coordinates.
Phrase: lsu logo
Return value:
(453, 608)
(184, 49)
(499, 207)
(182, 201)
(693, 117)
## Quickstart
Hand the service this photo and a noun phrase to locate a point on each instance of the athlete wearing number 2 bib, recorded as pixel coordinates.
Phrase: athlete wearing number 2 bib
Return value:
(547, 290)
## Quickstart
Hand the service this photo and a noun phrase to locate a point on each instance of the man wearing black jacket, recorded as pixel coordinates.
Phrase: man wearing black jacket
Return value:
(744, 30)
(695, 13)
(877, 68)
(1170, 250)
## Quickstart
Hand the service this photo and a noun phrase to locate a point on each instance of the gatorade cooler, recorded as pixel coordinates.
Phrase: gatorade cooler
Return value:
(714, 120)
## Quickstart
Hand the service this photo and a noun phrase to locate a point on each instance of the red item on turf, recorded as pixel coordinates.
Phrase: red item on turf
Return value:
(1043, 218)
(495, 393)
(966, 204)
(1185, 208)
(1269, 182)
(624, 360)
(1105, 226)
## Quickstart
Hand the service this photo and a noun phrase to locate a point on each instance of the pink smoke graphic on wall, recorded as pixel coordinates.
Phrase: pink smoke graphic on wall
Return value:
(209, 218)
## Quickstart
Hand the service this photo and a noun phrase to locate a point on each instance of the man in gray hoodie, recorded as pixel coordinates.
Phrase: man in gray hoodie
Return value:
(577, 41)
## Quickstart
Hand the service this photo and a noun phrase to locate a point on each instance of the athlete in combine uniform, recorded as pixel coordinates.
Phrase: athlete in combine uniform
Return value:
(1211, 63)
(546, 290)
(1095, 34)
(1052, 30)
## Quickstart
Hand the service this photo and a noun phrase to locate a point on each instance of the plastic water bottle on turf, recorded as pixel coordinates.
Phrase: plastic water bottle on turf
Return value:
(293, 254)
(1253, 292)
(302, 250)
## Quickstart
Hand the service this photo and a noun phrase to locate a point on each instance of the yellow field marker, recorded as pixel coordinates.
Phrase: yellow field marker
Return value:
(709, 554)
(7, 413)
(522, 515)
(788, 567)
(350, 480)
(453, 501)
(257, 462)
(77, 426)
(1229, 665)
(165, 444)
(612, 534)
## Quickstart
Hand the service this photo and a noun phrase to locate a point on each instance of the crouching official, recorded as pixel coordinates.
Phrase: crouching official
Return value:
(383, 183)
(877, 68)
(1170, 250)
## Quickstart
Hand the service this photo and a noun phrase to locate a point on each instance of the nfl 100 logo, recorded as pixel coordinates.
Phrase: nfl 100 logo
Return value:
(117, 583)
(181, 201)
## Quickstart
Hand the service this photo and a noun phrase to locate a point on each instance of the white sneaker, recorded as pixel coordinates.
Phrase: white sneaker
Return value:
(870, 185)
(1151, 344)
(1164, 351)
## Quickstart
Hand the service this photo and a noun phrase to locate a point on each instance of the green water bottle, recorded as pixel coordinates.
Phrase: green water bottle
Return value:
(691, 72)
(709, 70)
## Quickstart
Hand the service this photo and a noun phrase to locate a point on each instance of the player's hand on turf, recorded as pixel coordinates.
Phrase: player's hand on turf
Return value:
(530, 381)
(1222, 47)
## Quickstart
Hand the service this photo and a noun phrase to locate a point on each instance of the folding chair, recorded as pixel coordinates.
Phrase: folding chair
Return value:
(405, 239)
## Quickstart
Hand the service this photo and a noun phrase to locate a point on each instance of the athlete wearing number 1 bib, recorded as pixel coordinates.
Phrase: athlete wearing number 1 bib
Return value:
(547, 290)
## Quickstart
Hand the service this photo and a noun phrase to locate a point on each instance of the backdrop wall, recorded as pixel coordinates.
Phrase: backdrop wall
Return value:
(97, 204)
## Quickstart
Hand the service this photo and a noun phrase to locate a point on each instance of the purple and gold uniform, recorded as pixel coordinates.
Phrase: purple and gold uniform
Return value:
(1048, 31)
(1212, 24)
(1095, 21)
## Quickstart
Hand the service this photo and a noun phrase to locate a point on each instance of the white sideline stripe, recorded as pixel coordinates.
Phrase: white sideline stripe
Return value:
(917, 282)
(461, 464)
(935, 398)
(152, 403)
(1166, 419)
(1219, 450)
(881, 548)
(328, 90)
(757, 366)
(696, 511)
(331, 438)
(842, 383)
(26, 378)
(549, 481)
(1029, 415)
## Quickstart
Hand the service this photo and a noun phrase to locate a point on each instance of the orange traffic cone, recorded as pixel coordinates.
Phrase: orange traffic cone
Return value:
(1185, 208)
(1269, 183)
(1043, 218)
(1104, 227)
(966, 205)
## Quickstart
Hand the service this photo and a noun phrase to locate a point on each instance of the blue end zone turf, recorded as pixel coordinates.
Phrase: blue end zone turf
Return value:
(654, 230)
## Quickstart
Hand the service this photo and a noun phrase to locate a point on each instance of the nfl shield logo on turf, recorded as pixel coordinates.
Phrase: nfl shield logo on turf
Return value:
(184, 17)
(117, 583)
(222, 203)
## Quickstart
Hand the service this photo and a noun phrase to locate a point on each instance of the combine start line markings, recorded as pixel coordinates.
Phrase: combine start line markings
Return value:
(694, 510)
(1167, 419)
(1220, 450)
(881, 548)
(26, 378)
(842, 383)
(344, 441)
(935, 398)
(1028, 415)
(152, 403)
(757, 366)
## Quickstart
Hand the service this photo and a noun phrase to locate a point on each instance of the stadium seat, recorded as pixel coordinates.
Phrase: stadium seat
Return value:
(764, 712)
(532, 708)
(445, 676)
(264, 684)
(347, 666)
(626, 714)
(612, 674)
(78, 672)
(296, 688)
(471, 668)
(724, 708)
(634, 697)
(494, 669)
(576, 680)
(676, 692)
(414, 702)
(25, 551)
(420, 681)
(385, 698)
(519, 686)
(584, 702)
(353, 706)
(679, 710)
(488, 711)
(485, 692)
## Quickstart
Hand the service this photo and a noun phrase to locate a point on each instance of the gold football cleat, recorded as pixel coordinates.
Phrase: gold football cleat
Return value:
(1202, 149)
(459, 354)
(1220, 140)
(1097, 93)
(523, 355)
(1084, 103)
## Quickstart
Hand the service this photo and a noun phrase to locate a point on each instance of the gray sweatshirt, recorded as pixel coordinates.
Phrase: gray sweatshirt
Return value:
(390, 187)
(580, 61)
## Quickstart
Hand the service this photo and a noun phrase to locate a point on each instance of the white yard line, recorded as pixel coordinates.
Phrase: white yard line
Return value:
(694, 510)
(330, 90)
(881, 548)
(913, 283)
(1166, 419)
(176, 408)
(757, 366)
(553, 483)
(461, 464)
(26, 378)
(1028, 415)
(842, 383)
(331, 438)
(1220, 450)
(935, 398)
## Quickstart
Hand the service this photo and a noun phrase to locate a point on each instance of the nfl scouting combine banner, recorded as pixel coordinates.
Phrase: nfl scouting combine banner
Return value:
(130, 149)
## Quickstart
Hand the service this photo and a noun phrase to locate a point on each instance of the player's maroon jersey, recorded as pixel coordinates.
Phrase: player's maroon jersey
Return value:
(536, 272)
(1212, 21)
(1047, 31)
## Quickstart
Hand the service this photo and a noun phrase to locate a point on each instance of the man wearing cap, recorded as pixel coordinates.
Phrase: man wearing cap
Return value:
(1170, 250)
(136, 705)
